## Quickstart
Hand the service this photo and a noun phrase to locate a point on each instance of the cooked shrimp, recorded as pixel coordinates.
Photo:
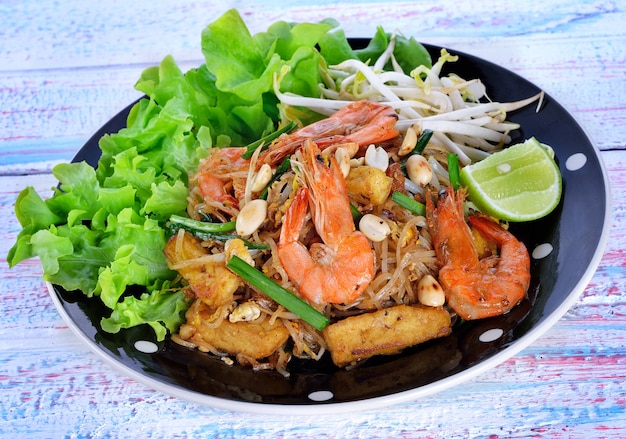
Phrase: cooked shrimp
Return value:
(338, 269)
(218, 177)
(476, 288)
(363, 122)
(221, 176)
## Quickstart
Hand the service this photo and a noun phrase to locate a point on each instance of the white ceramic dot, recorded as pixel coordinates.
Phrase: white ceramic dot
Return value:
(321, 395)
(491, 335)
(147, 347)
(575, 161)
(542, 250)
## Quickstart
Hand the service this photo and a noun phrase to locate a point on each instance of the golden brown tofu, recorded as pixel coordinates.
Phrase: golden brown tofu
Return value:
(384, 332)
(254, 339)
(367, 184)
(211, 281)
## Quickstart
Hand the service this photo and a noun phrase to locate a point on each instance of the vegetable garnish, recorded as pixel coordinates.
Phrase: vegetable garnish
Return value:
(264, 142)
(201, 226)
(453, 170)
(356, 213)
(409, 203)
(418, 149)
(279, 294)
(207, 231)
(423, 140)
(519, 183)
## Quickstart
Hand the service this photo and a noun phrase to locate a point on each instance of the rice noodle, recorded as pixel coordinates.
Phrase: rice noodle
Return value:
(206, 259)
(464, 121)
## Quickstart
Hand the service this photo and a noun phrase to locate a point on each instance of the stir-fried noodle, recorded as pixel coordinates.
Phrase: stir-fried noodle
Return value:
(462, 122)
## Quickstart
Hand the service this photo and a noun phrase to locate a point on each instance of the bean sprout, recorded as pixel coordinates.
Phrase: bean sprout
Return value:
(448, 105)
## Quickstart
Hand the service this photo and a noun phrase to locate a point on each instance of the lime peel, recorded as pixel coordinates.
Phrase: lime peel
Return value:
(519, 183)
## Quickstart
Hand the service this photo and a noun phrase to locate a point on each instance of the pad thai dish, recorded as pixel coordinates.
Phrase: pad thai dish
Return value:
(342, 229)
(358, 217)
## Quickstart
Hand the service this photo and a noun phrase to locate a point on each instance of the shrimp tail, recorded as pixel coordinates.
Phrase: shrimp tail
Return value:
(514, 257)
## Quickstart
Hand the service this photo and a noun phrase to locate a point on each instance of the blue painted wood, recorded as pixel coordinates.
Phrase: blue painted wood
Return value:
(67, 67)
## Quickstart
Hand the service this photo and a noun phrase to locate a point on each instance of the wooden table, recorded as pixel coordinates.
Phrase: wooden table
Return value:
(67, 67)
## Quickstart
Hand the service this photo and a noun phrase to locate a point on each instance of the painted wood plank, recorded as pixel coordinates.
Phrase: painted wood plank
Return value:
(79, 36)
(569, 403)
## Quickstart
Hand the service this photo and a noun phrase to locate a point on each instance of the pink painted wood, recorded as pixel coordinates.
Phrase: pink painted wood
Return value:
(67, 67)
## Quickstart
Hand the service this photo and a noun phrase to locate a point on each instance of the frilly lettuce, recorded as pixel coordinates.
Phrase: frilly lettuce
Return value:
(103, 230)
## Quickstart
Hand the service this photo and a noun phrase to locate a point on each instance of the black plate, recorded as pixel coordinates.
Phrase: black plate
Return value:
(319, 387)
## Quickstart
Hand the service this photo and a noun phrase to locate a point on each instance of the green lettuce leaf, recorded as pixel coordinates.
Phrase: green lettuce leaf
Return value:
(148, 239)
(407, 51)
(114, 200)
(32, 210)
(167, 199)
(162, 309)
(78, 189)
(33, 214)
(335, 48)
(234, 58)
(72, 256)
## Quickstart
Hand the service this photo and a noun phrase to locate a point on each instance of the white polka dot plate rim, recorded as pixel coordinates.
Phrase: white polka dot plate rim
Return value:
(561, 269)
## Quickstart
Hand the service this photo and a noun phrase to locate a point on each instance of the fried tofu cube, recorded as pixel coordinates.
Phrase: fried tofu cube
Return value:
(367, 184)
(384, 332)
(211, 281)
(255, 339)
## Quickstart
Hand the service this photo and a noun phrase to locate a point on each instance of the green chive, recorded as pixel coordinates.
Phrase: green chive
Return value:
(413, 206)
(279, 294)
(417, 149)
(453, 170)
(356, 213)
(201, 226)
(422, 142)
(223, 237)
(210, 231)
(266, 140)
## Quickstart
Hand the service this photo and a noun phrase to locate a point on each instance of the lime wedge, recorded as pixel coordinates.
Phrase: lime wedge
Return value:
(519, 183)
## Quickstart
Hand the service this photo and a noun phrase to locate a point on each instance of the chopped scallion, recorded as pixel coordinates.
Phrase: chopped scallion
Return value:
(422, 142)
(413, 206)
(356, 213)
(453, 170)
(201, 226)
(418, 148)
(210, 231)
(279, 294)
(266, 140)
